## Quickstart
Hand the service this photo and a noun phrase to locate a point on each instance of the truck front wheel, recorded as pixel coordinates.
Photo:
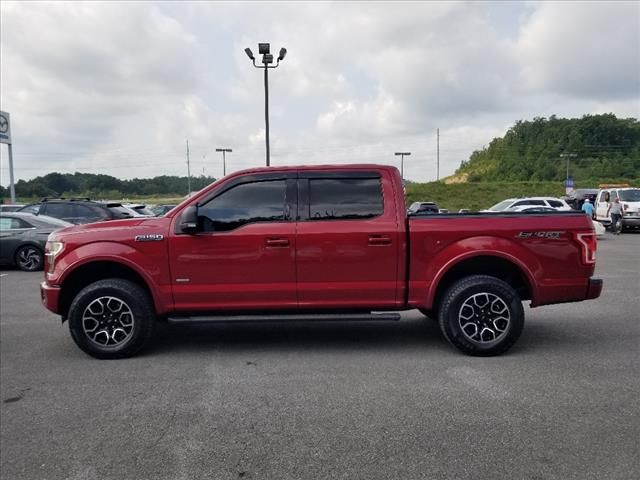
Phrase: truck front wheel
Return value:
(481, 315)
(111, 318)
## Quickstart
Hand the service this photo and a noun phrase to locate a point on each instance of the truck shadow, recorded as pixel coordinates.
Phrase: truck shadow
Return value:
(295, 336)
(420, 333)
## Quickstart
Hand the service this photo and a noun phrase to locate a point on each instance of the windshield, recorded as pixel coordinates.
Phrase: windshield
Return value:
(630, 195)
(501, 206)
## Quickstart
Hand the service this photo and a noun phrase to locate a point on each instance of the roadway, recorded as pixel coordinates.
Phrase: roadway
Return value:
(328, 401)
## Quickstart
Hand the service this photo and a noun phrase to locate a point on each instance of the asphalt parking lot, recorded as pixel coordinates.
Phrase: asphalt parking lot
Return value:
(328, 401)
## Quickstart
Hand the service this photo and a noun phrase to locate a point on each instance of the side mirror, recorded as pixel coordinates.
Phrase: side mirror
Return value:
(189, 220)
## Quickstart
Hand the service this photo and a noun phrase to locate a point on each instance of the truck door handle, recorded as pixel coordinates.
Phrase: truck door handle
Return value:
(277, 242)
(379, 240)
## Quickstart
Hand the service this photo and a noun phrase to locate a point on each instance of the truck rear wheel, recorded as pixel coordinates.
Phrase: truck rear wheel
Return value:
(111, 318)
(481, 315)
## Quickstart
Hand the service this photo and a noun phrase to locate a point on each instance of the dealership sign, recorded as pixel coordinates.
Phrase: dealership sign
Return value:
(5, 128)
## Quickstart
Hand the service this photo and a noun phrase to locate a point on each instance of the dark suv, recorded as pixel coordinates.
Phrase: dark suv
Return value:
(77, 210)
(423, 208)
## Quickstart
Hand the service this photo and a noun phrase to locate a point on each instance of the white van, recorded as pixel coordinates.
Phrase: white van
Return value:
(630, 200)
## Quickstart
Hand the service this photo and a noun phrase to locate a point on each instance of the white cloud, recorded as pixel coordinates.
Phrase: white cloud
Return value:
(583, 49)
(117, 87)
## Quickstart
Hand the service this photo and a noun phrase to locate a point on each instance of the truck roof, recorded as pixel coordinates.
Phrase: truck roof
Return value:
(289, 168)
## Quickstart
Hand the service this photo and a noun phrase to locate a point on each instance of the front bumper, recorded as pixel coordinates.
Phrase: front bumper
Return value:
(631, 221)
(50, 296)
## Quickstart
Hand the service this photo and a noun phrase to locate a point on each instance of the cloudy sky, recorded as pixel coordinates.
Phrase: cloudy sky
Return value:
(117, 87)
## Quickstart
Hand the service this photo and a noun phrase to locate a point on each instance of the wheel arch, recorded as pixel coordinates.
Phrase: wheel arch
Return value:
(93, 271)
(494, 264)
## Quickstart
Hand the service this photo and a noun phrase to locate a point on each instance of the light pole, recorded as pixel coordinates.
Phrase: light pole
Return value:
(224, 160)
(402, 154)
(264, 49)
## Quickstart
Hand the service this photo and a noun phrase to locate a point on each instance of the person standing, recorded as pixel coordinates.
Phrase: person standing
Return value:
(616, 211)
(587, 207)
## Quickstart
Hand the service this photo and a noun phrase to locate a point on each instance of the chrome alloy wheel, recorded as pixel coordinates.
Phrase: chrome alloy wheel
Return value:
(484, 318)
(108, 322)
(29, 258)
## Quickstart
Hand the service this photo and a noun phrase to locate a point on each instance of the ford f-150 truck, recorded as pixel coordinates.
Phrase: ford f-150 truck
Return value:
(314, 243)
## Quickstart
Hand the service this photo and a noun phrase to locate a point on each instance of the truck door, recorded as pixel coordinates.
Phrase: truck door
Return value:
(602, 206)
(348, 240)
(243, 256)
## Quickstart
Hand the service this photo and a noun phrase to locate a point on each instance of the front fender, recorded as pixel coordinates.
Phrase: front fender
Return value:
(150, 266)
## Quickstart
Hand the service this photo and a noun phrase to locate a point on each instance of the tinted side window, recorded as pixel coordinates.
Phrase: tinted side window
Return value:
(6, 223)
(555, 203)
(345, 198)
(243, 204)
(89, 212)
(530, 202)
(58, 210)
(20, 223)
(31, 209)
(604, 196)
(9, 223)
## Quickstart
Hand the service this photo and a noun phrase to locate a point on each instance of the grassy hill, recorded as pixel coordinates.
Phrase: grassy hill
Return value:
(600, 146)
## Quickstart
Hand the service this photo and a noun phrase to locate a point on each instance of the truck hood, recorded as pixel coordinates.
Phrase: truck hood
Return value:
(113, 230)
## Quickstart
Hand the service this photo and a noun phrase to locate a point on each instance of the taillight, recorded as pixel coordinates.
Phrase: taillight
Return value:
(589, 246)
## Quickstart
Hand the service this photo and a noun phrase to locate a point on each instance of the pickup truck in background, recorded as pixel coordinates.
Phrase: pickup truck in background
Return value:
(629, 199)
(314, 243)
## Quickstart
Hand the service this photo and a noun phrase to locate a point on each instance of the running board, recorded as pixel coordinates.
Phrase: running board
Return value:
(286, 317)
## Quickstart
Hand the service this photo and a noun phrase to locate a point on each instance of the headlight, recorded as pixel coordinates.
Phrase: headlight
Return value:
(51, 250)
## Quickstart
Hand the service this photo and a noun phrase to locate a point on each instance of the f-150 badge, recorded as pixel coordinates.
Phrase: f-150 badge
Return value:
(152, 237)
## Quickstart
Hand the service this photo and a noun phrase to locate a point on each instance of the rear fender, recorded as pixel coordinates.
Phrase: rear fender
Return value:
(485, 246)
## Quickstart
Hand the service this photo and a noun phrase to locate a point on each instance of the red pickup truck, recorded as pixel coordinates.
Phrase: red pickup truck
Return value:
(314, 243)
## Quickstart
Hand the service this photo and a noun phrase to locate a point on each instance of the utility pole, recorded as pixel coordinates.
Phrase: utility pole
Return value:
(188, 170)
(402, 154)
(437, 154)
(224, 160)
(568, 184)
(568, 156)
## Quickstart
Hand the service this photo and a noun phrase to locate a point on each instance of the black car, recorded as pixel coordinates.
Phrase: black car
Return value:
(77, 210)
(23, 236)
(423, 208)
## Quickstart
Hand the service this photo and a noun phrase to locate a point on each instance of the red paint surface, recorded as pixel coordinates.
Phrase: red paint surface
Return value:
(333, 264)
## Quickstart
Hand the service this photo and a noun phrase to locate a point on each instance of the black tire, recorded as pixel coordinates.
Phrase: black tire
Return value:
(111, 318)
(481, 315)
(29, 258)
